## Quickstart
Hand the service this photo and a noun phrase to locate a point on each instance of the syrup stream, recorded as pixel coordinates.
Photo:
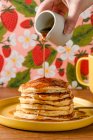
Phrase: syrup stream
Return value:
(43, 43)
(43, 40)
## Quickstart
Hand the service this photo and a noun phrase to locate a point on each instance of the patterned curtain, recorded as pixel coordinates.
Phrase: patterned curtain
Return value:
(21, 54)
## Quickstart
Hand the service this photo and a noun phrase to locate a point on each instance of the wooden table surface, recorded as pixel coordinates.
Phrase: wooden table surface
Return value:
(12, 134)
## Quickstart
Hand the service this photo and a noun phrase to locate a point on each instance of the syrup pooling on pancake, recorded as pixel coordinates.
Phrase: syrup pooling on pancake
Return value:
(45, 99)
(44, 83)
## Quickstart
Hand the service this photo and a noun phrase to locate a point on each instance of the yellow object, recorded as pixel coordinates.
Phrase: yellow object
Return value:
(7, 107)
(78, 74)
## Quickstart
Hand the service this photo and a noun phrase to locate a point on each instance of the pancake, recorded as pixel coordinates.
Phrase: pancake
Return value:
(21, 114)
(66, 111)
(45, 99)
(42, 107)
(46, 85)
(48, 97)
(61, 102)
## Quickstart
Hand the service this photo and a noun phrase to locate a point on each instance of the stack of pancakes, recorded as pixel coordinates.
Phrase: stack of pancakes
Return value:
(45, 99)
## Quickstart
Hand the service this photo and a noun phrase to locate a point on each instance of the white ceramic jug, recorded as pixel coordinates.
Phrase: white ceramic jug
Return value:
(55, 22)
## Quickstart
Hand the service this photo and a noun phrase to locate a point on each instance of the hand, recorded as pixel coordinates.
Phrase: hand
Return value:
(54, 5)
(76, 7)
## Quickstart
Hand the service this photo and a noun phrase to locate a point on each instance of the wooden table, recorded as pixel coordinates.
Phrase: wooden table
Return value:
(12, 134)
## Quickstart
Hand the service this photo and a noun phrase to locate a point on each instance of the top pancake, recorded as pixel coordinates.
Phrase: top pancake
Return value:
(46, 85)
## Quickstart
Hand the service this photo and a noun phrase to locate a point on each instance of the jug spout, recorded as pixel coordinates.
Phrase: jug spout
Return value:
(52, 24)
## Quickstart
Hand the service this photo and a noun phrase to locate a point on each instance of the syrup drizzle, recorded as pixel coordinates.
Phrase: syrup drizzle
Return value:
(43, 43)
(44, 33)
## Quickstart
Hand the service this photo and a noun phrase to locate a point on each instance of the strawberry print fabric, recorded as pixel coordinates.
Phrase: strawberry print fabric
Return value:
(21, 52)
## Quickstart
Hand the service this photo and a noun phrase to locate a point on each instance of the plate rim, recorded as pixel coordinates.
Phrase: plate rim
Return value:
(41, 122)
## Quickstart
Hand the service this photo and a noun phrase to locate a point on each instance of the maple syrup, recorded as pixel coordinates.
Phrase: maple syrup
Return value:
(44, 33)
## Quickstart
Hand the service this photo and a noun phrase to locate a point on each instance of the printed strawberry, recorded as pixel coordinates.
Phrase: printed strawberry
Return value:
(79, 55)
(91, 19)
(6, 50)
(1, 62)
(58, 63)
(92, 50)
(26, 23)
(28, 2)
(75, 60)
(9, 18)
(61, 72)
(84, 67)
(37, 54)
(84, 64)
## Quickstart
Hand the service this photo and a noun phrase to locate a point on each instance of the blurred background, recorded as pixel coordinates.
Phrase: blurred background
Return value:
(21, 53)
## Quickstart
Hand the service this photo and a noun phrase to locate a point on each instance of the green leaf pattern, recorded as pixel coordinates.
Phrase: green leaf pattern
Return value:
(2, 31)
(21, 77)
(26, 10)
(71, 73)
(82, 36)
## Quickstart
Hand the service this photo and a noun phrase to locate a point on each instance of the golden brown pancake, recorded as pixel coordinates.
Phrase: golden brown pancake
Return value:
(21, 114)
(45, 99)
(61, 102)
(48, 97)
(67, 110)
(42, 107)
(46, 85)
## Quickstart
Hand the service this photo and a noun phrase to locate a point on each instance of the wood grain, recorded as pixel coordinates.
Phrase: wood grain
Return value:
(13, 134)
